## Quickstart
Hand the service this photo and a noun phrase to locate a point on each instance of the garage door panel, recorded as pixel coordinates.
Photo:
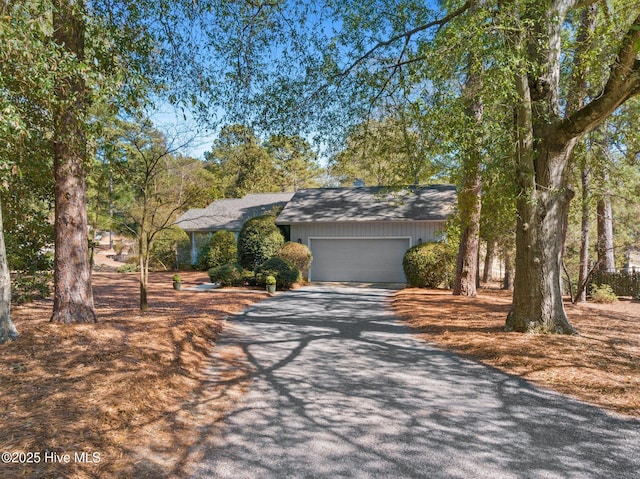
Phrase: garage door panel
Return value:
(362, 259)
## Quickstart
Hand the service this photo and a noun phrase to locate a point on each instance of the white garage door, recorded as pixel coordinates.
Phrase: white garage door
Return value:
(375, 260)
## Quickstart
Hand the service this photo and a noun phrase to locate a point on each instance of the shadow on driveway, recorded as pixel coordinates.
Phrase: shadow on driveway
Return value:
(341, 389)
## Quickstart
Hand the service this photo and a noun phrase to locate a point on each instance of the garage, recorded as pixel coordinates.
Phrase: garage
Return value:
(371, 260)
(361, 234)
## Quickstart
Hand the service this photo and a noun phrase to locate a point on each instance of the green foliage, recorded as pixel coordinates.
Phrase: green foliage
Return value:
(603, 293)
(222, 249)
(259, 240)
(128, 268)
(285, 273)
(393, 151)
(248, 277)
(176, 278)
(162, 256)
(26, 286)
(270, 280)
(297, 254)
(227, 275)
(242, 164)
(296, 164)
(428, 265)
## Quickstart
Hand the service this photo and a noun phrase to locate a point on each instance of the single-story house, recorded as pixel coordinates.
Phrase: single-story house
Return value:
(226, 214)
(632, 261)
(361, 234)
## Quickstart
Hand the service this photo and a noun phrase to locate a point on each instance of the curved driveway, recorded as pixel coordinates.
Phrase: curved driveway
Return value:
(342, 390)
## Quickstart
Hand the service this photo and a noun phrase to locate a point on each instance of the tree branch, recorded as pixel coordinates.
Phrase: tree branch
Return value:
(623, 83)
(407, 36)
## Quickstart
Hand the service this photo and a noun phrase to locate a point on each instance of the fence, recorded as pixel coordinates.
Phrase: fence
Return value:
(623, 284)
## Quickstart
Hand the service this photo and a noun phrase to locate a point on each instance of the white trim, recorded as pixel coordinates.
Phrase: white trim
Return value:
(357, 238)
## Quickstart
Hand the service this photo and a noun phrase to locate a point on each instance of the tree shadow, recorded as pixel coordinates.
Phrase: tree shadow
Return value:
(340, 389)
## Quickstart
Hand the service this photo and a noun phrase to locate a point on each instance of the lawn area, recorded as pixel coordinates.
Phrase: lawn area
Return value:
(600, 365)
(129, 388)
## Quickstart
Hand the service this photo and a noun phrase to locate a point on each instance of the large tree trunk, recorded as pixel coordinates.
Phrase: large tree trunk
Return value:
(489, 258)
(581, 295)
(467, 262)
(606, 258)
(73, 297)
(8, 330)
(469, 198)
(537, 300)
(542, 207)
(507, 282)
(544, 142)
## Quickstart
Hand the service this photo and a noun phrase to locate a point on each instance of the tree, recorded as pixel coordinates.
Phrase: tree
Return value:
(160, 189)
(241, 163)
(296, 164)
(396, 150)
(534, 61)
(24, 87)
(545, 140)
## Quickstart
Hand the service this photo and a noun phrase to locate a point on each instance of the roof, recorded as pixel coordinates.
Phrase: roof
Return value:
(230, 214)
(422, 203)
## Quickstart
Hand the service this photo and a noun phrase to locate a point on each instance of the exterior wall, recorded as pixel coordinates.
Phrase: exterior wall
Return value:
(418, 231)
(632, 264)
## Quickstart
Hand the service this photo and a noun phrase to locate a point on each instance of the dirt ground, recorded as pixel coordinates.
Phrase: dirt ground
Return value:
(128, 392)
(600, 365)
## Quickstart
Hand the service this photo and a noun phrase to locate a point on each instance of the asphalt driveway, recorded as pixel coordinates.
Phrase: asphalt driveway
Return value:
(343, 390)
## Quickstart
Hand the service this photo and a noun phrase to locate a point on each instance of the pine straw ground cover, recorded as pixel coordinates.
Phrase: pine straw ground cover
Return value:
(131, 388)
(599, 365)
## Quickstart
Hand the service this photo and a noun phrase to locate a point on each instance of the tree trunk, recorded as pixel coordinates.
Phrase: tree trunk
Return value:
(507, 283)
(581, 295)
(73, 297)
(542, 207)
(469, 198)
(544, 141)
(488, 261)
(143, 264)
(8, 330)
(606, 259)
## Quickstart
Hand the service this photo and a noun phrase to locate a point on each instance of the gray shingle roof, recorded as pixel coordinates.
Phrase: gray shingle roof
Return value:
(231, 213)
(423, 203)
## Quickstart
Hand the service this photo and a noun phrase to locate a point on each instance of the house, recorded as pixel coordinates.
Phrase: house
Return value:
(226, 214)
(632, 261)
(361, 234)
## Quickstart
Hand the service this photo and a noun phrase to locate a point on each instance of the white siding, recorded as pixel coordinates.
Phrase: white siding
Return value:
(424, 231)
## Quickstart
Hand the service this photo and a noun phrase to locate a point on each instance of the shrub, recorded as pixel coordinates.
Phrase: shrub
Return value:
(248, 277)
(128, 268)
(428, 265)
(221, 249)
(259, 240)
(603, 293)
(297, 254)
(26, 286)
(227, 275)
(285, 273)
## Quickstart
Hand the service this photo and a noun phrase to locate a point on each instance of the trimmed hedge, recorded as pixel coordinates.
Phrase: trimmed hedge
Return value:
(297, 254)
(221, 249)
(285, 273)
(259, 240)
(427, 265)
(227, 275)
